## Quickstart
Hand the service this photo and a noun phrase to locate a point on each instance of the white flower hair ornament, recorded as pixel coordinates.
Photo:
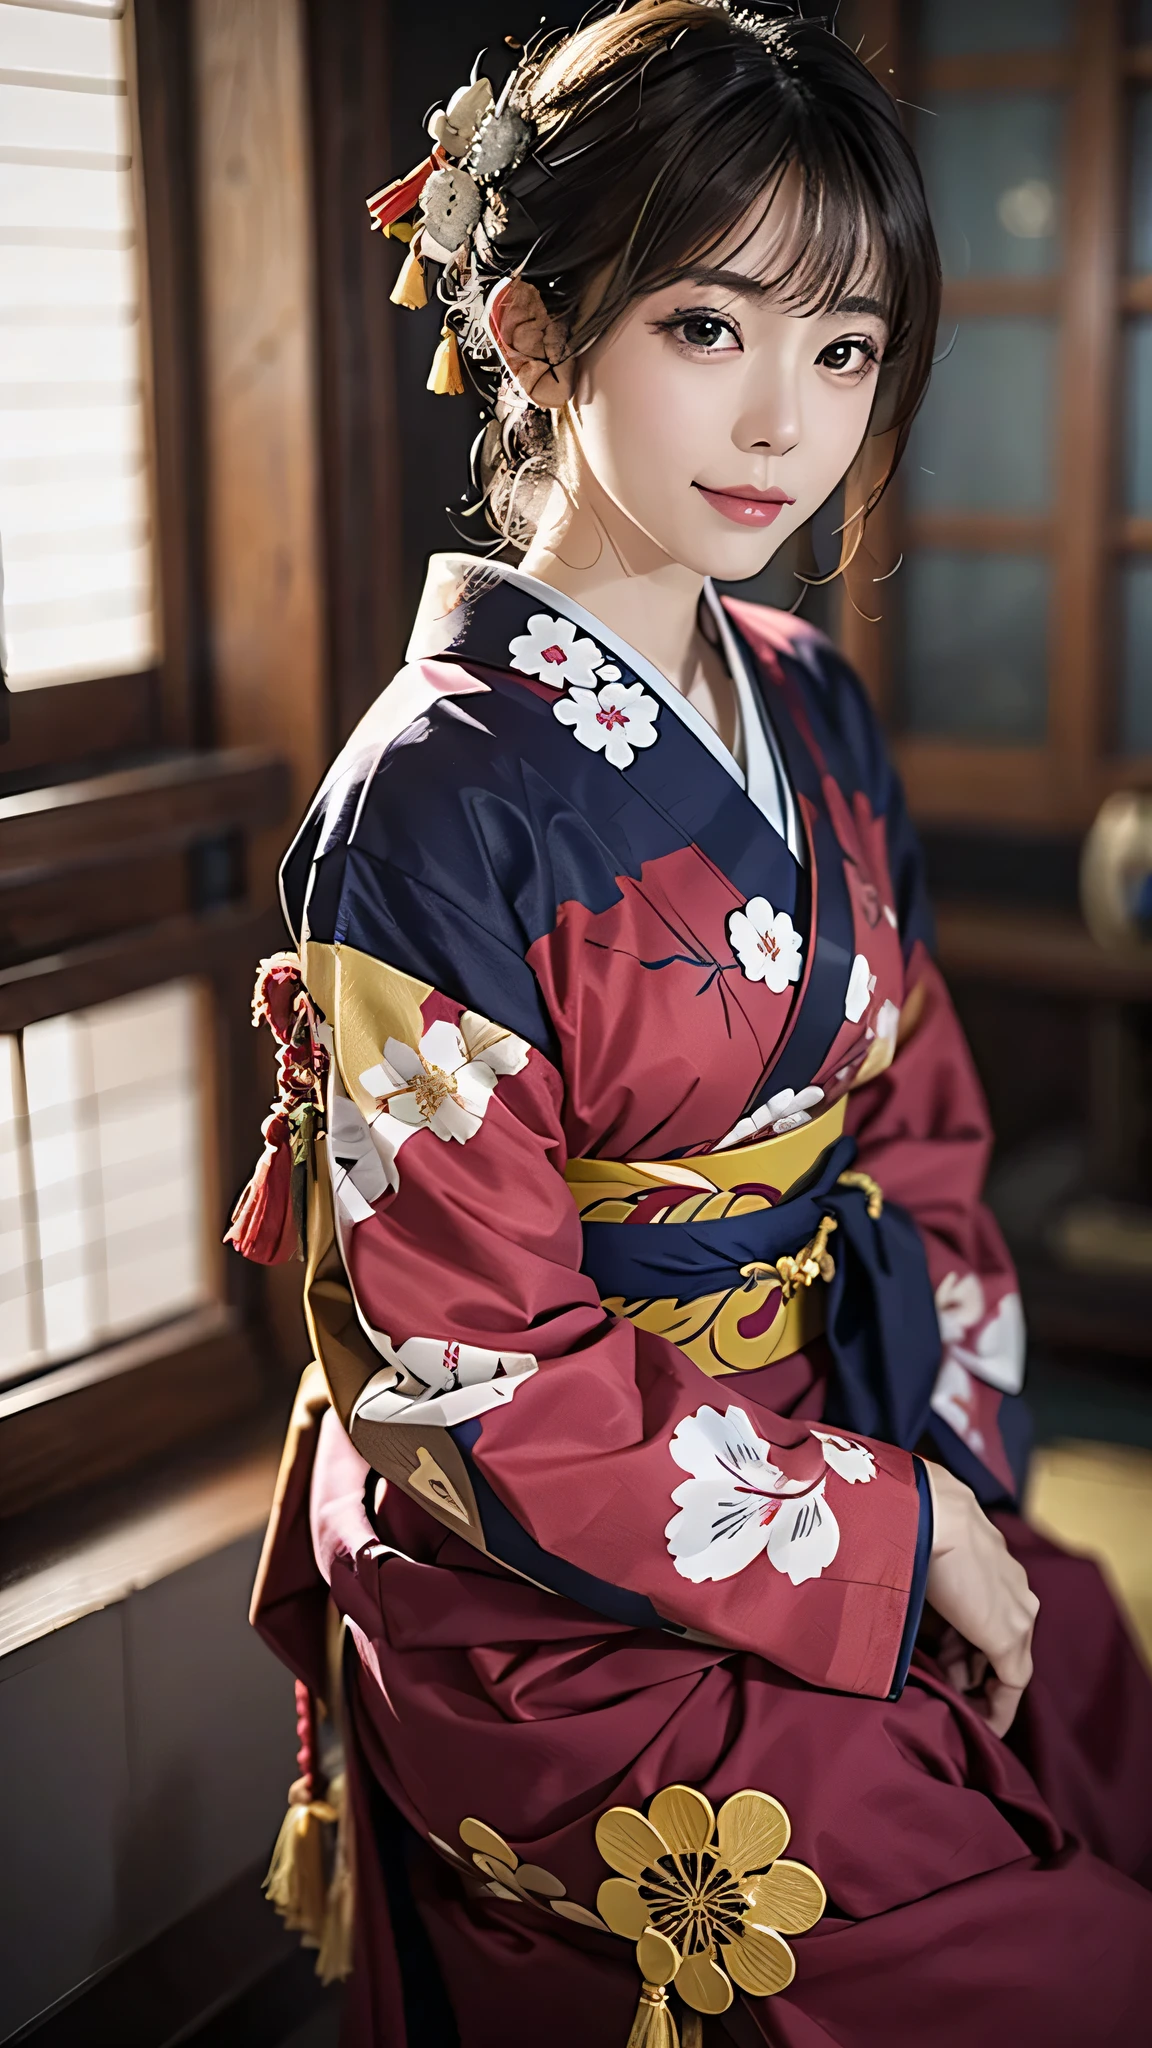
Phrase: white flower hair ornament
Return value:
(455, 128)
(477, 140)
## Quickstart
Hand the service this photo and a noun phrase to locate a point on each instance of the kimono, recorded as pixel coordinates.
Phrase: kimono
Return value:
(645, 1263)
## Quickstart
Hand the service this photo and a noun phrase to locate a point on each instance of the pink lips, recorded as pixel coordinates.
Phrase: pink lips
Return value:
(746, 507)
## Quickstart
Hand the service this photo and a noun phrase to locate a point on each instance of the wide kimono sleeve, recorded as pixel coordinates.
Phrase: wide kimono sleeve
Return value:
(923, 1131)
(472, 1361)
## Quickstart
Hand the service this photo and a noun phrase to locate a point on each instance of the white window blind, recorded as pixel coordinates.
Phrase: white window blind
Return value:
(75, 534)
(102, 1202)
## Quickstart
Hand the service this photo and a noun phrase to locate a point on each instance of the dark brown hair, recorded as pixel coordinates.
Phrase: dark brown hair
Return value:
(657, 127)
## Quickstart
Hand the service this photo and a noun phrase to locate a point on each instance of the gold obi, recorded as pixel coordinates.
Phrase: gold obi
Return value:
(707, 1188)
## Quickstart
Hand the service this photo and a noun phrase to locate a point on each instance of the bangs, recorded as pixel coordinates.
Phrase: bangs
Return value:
(836, 245)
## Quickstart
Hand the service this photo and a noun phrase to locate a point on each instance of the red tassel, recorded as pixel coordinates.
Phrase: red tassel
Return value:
(264, 1224)
(400, 197)
(263, 1227)
(278, 985)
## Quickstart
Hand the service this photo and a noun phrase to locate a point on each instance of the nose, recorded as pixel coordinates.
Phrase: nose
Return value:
(778, 438)
(770, 423)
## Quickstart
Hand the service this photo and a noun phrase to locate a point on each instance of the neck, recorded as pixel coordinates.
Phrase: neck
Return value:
(587, 548)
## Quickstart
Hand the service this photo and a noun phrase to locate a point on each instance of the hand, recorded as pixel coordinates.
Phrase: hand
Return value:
(979, 1590)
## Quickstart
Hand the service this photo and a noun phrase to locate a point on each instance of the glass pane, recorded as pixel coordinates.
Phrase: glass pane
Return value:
(1140, 186)
(975, 645)
(952, 28)
(101, 1178)
(74, 516)
(982, 441)
(65, 1173)
(19, 1254)
(1136, 672)
(991, 163)
(1137, 435)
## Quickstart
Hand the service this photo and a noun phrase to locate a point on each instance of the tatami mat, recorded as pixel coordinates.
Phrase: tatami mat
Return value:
(1097, 1498)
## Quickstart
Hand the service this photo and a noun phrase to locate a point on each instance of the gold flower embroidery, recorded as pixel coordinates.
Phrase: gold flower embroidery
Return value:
(706, 1898)
(507, 1878)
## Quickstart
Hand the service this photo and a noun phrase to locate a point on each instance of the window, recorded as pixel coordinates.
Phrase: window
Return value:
(1014, 660)
(103, 1224)
(125, 1331)
(75, 517)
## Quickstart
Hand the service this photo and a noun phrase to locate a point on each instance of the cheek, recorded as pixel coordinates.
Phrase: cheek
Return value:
(839, 422)
(645, 422)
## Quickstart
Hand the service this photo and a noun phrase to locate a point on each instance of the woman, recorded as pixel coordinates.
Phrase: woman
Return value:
(670, 1362)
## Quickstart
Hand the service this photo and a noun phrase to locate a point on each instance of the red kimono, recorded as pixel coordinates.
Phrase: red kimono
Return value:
(640, 1079)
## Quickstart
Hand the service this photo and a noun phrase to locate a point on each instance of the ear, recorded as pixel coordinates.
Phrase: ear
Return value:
(531, 343)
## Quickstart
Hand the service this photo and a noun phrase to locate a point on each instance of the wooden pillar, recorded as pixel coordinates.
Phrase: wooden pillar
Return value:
(1078, 705)
(266, 602)
(264, 555)
(867, 601)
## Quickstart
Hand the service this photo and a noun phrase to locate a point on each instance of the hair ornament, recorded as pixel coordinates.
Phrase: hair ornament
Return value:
(446, 377)
(409, 289)
(450, 210)
(477, 140)
(501, 145)
(455, 129)
(393, 201)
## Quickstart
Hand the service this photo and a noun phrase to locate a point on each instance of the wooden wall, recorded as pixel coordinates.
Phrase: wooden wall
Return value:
(265, 565)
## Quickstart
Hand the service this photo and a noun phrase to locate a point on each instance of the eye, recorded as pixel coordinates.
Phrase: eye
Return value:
(850, 357)
(706, 333)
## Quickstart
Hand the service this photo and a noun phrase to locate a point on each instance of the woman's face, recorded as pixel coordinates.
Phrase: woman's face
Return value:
(718, 422)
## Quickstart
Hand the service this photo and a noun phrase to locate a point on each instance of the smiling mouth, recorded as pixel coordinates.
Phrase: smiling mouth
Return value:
(745, 506)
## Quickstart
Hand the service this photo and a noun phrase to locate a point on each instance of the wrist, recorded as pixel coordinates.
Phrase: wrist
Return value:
(951, 1506)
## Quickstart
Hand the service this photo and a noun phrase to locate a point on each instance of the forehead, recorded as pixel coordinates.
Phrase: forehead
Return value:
(806, 251)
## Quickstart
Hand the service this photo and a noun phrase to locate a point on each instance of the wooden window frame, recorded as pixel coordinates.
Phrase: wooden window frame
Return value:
(59, 726)
(84, 1420)
(131, 854)
(1060, 783)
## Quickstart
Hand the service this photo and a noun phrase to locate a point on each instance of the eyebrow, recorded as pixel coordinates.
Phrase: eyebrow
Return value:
(859, 305)
(752, 288)
(729, 281)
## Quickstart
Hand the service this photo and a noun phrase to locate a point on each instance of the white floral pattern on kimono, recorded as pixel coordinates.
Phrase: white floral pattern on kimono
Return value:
(955, 1397)
(359, 1176)
(443, 1085)
(990, 1346)
(435, 1381)
(785, 1111)
(766, 943)
(551, 651)
(738, 1504)
(614, 720)
(860, 990)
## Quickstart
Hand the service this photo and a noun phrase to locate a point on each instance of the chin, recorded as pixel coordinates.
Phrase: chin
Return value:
(729, 559)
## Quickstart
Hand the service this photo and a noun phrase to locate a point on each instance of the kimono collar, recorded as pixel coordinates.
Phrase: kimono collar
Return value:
(474, 608)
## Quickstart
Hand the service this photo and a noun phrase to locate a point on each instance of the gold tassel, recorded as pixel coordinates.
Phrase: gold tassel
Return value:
(295, 1881)
(653, 2026)
(691, 2030)
(408, 289)
(334, 1961)
(445, 377)
(867, 1186)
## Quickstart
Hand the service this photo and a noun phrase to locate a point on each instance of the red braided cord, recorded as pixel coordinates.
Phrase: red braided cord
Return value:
(306, 1732)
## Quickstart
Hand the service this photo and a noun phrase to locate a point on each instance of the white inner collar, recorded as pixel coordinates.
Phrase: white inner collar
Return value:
(766, 779)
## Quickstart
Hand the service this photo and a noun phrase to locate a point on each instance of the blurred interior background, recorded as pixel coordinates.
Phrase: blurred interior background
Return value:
(220, 478)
